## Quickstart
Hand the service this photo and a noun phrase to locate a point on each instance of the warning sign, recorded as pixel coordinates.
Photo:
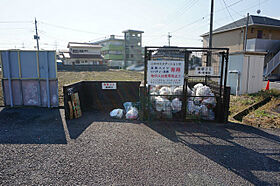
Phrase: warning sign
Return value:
(109, 85)
(166, 73)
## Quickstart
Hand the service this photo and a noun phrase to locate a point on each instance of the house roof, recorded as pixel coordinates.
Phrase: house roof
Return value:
(135, 31)
(253, 20)
(86, 56)
(82, 45)
(111, 38)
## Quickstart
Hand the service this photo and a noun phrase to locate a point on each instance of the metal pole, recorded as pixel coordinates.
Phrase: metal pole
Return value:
(246, 32)
(36, 36)
(185, 87)
(210, 33)
(48, 82)
(9, 79)
(124, 56)
(168, 37)
(222, 73)
(226, 70)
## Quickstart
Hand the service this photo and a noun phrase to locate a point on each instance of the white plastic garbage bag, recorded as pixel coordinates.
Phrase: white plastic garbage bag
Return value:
(127, 106)
(190, 107)
(165, 91)
(162, 104)
(116, 113)
(204, 111)
(203, 91)
(176, 105)
(178, 91)
(132, 113)
(197, 86)
(210, 100)
(153, 97)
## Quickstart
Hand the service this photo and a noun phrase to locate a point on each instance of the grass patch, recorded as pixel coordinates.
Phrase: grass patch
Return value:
(238, 103)
(267, 116)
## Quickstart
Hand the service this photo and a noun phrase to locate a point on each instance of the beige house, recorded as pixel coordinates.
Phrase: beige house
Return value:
(83, 54)
(263, 39)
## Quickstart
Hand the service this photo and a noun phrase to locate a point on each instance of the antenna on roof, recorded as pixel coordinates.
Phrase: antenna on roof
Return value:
(259, 10)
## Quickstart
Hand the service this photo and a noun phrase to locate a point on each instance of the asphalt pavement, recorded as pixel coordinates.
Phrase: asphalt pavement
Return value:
(39, 147)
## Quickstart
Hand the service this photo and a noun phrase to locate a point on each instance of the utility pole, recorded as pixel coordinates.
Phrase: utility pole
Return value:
(246, 31)
(168, 37)
(36, 36)
(210, 33)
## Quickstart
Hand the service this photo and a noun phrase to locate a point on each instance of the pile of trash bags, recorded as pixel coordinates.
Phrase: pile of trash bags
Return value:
(166, 101)
(130, 111)
(202, 106)
(167, 104)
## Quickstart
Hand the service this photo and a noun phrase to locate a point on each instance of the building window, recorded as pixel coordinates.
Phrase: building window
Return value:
(259, 34)
(252, 30)
(131, 55)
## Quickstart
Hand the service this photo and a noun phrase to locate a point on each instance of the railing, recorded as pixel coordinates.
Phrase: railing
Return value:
(272, 64)
(261, 45)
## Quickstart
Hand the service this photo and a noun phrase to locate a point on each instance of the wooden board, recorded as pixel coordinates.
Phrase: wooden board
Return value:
(70, 110)
(76, 105)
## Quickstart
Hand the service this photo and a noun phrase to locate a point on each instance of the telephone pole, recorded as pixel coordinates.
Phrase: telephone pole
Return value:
(36, 36)
(210, 33)
(168, 37)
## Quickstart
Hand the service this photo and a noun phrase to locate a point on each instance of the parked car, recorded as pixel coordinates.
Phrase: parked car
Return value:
(136, 68)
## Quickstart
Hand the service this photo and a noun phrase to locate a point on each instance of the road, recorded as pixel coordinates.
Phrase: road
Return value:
(39, 147)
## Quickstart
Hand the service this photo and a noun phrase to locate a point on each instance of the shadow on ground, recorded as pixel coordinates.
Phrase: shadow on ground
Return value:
(233, 146)
(77, 126)
(31, 126)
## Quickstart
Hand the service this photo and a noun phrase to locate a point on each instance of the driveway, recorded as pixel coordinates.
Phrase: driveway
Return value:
(39, 147)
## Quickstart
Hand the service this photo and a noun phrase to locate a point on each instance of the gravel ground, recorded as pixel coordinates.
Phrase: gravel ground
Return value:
(39, 147)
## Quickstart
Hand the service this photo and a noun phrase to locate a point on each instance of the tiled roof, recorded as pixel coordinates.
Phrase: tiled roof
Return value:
(253, 20)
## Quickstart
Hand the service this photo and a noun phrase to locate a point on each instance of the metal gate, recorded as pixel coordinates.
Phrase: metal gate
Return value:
(182, 83)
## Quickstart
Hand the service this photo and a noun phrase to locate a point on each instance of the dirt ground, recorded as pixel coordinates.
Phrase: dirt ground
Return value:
(65, 78)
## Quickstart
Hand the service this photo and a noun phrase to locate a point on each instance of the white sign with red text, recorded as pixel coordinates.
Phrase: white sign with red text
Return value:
(165, 73)
(109, 85)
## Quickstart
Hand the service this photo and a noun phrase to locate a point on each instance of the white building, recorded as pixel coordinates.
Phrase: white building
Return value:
(83, 54)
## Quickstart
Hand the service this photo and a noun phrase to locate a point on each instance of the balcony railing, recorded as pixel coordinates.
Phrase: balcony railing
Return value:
(261, 45)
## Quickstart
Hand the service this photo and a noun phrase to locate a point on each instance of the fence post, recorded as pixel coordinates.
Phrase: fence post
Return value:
(9, 78)
(186, 72)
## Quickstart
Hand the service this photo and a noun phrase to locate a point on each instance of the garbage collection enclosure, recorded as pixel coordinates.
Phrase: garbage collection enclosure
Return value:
(182, 83)
(29, 78)
(101, 95)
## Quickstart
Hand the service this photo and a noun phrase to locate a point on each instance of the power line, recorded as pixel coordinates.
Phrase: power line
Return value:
(68, 28)
(188, 24)
(230, 13)
(7, 22)
(201, 19)
(183, 10)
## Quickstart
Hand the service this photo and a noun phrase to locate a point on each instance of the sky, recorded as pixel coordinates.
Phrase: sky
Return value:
(61, 21)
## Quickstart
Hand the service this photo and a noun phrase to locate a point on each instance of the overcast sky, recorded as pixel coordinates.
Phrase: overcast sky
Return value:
(61, 21)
